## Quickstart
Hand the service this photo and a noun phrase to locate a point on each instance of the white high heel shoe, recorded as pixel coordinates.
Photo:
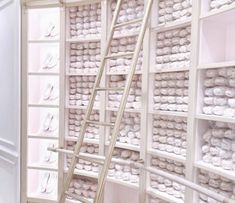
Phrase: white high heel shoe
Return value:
(50, 93)
(50, 61)
(49, 124)
(44, 182)
(51, 31)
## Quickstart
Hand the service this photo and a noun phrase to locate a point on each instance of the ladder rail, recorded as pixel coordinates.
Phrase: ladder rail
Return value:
(104, 171)
(90, 105)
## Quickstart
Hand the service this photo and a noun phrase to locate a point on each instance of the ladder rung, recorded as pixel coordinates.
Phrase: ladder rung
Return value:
(81, 199)
(128, 23)
(88, 157)
(127, 54)
(109, 89)
(100, 123)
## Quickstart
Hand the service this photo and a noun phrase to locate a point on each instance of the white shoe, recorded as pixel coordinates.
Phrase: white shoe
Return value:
(44, 182)
(50, 157)
(51, 31)
(50, 93)
(50, 61)
(50, 123)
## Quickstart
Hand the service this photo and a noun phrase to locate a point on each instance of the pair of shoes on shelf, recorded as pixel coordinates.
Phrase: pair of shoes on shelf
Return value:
(51, 31)
(50, 123)
(50, 61)
(50, 93)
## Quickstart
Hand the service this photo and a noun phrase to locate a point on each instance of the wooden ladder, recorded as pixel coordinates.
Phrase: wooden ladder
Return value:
(101, 160)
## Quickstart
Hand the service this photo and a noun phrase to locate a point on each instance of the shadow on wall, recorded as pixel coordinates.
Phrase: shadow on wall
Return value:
(5, 3)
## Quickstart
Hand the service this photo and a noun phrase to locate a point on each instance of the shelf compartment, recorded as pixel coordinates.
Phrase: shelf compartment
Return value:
(83, 165)
(42, 184)
(44, 24)
(43, 122)
(39, 156)
(169, 91)
(83, 187)
(169, 11)
(216, 183)
(73, 124)
(215, 143)
(83, 58)
(129, 10)
(134, 98)
(79, 89)
(214, 7)
(168, 136)
(172, 49)
(164, 185)
(84, 21)
(123, 64)
(43, 90)
(129, 134)
(217, 41)
(216, 92)
(43, 58)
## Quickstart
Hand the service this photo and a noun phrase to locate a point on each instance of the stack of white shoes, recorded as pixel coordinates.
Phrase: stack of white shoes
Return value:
(165, 185)
(171, 91)
(173, 48)
(169, 134)
(83, 187)
(216, 183)
(80, 89)
(173, 10)
(75, 117)
(82, 164)
(130, 10)
(125, 172)
(84, 58)
(219, 93)
(85, 21)
(218, 146)
(123, 45)
(134, 98)
(218, 4)
(129, 128)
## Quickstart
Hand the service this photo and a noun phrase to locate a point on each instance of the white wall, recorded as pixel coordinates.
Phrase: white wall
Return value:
(9, 100)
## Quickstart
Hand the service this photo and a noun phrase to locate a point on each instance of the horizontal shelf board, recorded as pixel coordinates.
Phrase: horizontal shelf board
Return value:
(167, 155)
(80, 107)
(129, 34)
(126, 110)
(73, 200)
(81, 74)
(169, 113)
(41, 167)
(39, 136)
(86, 140)
(217, 12)
(44, 41)
(167, 70)
(43, 73)
(44, 105)
(39, 199)
(79, 2)
(172, 25)
(83, 173)
(123, 183)
(217, 65)
(87, 39)
(163, 196)
(123, 73)
(215, 118)
(110, 179)
(125, 146)
(219, 171)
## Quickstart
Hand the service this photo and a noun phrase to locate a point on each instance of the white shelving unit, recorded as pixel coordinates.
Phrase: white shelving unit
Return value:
(174, 112)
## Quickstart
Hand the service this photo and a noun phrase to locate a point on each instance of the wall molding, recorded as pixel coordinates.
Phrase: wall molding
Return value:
(7, 143)
(5, 3)
(9, 156)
